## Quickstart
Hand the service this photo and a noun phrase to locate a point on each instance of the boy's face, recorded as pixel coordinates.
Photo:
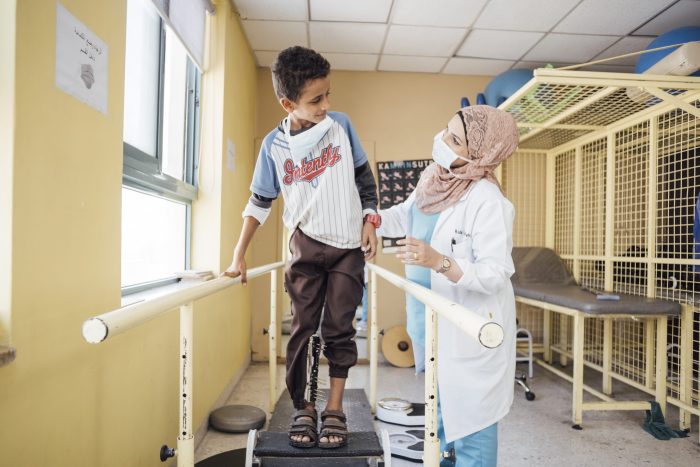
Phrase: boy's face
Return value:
(312, 105)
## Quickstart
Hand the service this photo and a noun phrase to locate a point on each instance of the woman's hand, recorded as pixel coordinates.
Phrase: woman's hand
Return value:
(238, 267)
(418, 253)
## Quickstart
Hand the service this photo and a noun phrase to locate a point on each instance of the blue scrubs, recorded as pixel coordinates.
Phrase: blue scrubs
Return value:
(420, 227)
(478, 449)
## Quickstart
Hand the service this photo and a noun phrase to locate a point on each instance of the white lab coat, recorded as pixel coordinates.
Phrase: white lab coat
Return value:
(475, 383)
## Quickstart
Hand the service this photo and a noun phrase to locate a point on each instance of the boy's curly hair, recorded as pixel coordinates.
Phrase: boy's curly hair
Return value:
(295, 66)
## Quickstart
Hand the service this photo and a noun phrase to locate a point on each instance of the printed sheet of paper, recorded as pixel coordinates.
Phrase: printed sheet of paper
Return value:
(81, 61)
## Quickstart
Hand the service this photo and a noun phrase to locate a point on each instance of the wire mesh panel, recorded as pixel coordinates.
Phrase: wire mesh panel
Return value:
(629, 350)
(524, 182)
(678, 188)
(531, 318)
(593, 274)
(630, 210)
(609, 109)
(593, 167)
(593, 341)
(545, 101)
(564, 173)
(552, 138)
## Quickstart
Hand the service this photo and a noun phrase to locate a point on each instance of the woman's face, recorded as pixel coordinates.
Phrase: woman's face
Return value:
(455, 138)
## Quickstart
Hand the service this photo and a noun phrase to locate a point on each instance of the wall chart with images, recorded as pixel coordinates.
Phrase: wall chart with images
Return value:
(397, 180)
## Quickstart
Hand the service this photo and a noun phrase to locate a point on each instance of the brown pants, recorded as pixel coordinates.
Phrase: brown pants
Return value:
(321, 276)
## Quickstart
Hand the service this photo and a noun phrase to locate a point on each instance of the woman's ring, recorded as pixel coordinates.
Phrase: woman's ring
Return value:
(415, 256)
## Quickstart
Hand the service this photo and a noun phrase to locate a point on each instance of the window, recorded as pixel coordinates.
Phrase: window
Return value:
(161, 139)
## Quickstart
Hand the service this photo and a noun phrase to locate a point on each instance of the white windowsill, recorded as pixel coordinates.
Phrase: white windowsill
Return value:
(158, 291)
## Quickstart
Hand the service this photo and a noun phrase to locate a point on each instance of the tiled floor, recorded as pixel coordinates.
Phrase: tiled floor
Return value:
(536, 433)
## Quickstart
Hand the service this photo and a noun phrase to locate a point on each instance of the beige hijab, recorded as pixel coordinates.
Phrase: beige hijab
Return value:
(492, 136)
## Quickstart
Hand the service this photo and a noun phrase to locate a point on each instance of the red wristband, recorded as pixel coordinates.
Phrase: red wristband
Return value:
(374, 219)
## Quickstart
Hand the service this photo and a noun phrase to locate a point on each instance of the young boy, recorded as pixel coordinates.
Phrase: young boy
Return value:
(315, 159)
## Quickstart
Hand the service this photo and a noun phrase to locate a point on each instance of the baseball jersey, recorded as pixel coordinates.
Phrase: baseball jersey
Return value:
(320, 194)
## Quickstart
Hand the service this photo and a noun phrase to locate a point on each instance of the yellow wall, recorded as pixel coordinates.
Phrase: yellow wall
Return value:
(7, 129)
(396, 116)
(62, 401)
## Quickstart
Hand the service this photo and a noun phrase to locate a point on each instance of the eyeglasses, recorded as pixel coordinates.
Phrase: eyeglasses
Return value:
(464, 124)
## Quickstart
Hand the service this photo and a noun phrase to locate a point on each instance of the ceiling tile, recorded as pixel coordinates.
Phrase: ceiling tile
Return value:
(275, 35)
(451, 13)
(280, 10)
(356, 62)
(368, 11)
(406, 63)
(618, 17)
(683, 13)
(624, 46)
(265, 57)
(346, 37)
(489, 43)
(576, 48)
(523, 15)
(423, 40)
(476, 66)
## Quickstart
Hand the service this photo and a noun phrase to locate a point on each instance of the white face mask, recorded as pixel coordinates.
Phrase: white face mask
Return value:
(303, 143)
(442, 153)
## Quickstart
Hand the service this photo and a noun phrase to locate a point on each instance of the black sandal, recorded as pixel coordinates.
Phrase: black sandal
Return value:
(303, 427)
(333, 423)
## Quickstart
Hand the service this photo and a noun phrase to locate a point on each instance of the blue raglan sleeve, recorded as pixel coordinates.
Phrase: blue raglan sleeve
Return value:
(265, 181)
(265, 186)
(359, 157)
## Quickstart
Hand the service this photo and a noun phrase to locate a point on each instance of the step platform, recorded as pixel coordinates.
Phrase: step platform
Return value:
(271, 448)
(360, 444)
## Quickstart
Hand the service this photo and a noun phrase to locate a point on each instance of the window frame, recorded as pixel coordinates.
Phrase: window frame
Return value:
(143, 171)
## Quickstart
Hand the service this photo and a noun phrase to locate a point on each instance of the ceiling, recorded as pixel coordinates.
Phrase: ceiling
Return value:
(464, 37)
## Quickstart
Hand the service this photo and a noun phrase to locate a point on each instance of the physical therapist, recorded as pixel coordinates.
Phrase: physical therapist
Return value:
(459, 244)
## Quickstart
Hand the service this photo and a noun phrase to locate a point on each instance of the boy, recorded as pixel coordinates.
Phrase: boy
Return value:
(315, 159)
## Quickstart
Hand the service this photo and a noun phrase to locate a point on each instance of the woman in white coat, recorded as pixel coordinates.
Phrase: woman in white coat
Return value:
(461, 238)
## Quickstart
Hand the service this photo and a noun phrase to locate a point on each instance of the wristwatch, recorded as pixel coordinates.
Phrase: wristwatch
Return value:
(445, 265)
(374, 219)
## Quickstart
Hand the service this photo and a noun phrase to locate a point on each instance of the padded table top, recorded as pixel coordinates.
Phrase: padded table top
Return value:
(572, 296)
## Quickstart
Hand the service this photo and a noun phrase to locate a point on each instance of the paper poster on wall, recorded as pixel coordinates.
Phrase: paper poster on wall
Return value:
(230, 155)
(81, 61)
(397, 180)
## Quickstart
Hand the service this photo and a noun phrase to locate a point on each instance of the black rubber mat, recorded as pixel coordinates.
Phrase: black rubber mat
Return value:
(273, 446)
(360, 444)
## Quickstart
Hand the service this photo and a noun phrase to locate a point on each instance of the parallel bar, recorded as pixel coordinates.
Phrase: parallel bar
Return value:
(100, 328)
(185, 439)
(431, 446)
(272, 341)
(373, 344)
(487, 333)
